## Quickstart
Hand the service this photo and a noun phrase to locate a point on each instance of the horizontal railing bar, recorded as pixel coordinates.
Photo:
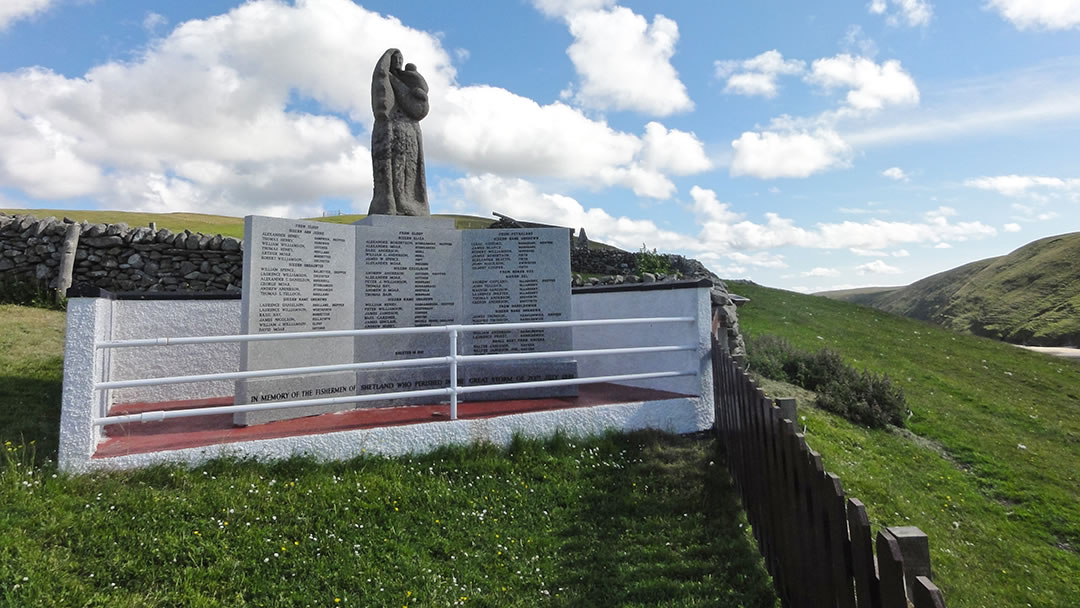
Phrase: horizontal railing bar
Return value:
(342, 333)
(255, 407)
(344, 367)
(571, 381)
(263, 373)
(555, 354)
(258, 407)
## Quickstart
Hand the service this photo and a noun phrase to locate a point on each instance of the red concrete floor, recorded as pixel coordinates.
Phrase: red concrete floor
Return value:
(198, 431)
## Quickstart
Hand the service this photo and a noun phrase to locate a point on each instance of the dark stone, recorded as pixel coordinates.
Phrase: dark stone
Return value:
(187, 268)
(94, 230)
(102, 241)
(215, 242)
(191, 243)
(116, 229)
(230, 244)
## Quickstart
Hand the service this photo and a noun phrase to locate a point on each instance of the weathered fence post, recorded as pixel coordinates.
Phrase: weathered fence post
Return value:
(67, 260)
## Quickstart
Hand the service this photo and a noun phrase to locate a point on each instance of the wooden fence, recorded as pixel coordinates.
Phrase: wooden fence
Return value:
(817, 543)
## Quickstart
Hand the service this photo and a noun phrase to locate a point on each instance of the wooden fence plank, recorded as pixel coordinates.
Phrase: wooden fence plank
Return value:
(891, 589)
(863, 566)
(840, 550)
(927, 595)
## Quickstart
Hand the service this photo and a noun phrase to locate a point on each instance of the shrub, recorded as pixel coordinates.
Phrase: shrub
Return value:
(29, 293)
(652, 262)
(861, 397)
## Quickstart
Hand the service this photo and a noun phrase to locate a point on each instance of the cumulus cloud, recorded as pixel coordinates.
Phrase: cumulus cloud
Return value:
(727, 241)
(896, 173)
(1039, 14)
(1011, 227)
(521, 199)
(871, 86)
(757, 75)
(877, 267)
(905, 12)
(624, 62)
(788, 153)
(203, 119)
(14, 10)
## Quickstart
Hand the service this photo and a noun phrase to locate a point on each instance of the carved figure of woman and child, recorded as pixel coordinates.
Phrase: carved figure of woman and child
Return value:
(399, 99)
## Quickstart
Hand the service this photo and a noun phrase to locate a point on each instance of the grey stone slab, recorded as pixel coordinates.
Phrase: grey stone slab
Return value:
(407, 221)
(406, 277)
(512, 276)
(298, 276)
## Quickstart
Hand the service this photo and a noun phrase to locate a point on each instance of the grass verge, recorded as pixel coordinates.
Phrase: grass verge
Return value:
(990, 468)
(647, 519)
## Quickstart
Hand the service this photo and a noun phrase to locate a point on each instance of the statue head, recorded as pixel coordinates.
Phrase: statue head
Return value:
(396, 60)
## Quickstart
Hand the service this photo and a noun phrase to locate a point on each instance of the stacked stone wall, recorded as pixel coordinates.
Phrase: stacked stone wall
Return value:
(116, 257)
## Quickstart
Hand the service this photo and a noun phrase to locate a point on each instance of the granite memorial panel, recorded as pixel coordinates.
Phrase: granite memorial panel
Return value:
(298, 276)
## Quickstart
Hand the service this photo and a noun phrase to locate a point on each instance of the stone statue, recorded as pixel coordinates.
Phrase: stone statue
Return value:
(399, 99)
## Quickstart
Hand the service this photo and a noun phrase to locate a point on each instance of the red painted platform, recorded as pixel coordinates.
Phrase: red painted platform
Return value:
(198, 431)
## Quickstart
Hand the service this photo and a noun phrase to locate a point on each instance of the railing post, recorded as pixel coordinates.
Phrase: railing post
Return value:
(453, 373)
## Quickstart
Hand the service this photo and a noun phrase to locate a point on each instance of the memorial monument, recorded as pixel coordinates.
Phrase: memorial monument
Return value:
(399, 99)
(386, 272)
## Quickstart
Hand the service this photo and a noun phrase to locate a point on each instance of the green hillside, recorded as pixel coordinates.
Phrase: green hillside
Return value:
(205, 223)
(989, 465)
(1030, 296)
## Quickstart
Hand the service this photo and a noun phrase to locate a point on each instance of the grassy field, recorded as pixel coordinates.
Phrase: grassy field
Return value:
(991, 466)
(646, 519)
(207, 224)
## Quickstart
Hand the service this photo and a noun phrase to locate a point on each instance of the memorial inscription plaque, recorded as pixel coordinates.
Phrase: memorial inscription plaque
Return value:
(297, 277)
(399, 272)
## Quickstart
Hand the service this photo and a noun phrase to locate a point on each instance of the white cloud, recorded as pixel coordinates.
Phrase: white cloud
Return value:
(13, 10)
(761, 259)
(877, 267)
(909, 12)
(856, 40)
(820, 272)
(1039, 14)
(202, 120)
(757, 75)
(1011, 227)
(520, 199)
(725, 236)
(943, 246)
(562, 8)
(896, 173)
(152, 21)
(872, 86)
(772, 154)
(1021, 185)
(625, 62)
(900, 253)
(673, 151)
(940, 213)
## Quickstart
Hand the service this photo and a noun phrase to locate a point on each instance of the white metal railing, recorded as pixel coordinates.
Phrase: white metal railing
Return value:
(453, 360)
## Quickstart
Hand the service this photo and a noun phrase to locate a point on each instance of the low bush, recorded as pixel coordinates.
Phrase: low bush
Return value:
(652, 262)
(29, 293)
(861, 397)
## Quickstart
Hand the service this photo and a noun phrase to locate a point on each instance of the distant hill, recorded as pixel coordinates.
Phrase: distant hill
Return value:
(1030, 296)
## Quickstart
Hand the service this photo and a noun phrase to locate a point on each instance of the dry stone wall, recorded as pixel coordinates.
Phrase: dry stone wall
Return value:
(116, 257)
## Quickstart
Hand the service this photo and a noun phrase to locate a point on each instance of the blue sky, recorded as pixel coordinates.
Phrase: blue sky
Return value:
(802, 145)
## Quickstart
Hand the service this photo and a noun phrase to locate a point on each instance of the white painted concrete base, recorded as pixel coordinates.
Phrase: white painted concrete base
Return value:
(679, 415)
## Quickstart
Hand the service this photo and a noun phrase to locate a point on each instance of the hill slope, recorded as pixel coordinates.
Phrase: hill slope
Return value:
(989, 469)
(1030, 296)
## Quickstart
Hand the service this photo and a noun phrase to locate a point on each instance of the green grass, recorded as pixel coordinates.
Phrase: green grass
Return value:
(991, 467)
(647, 519)
(176, 222)
(207, 224)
